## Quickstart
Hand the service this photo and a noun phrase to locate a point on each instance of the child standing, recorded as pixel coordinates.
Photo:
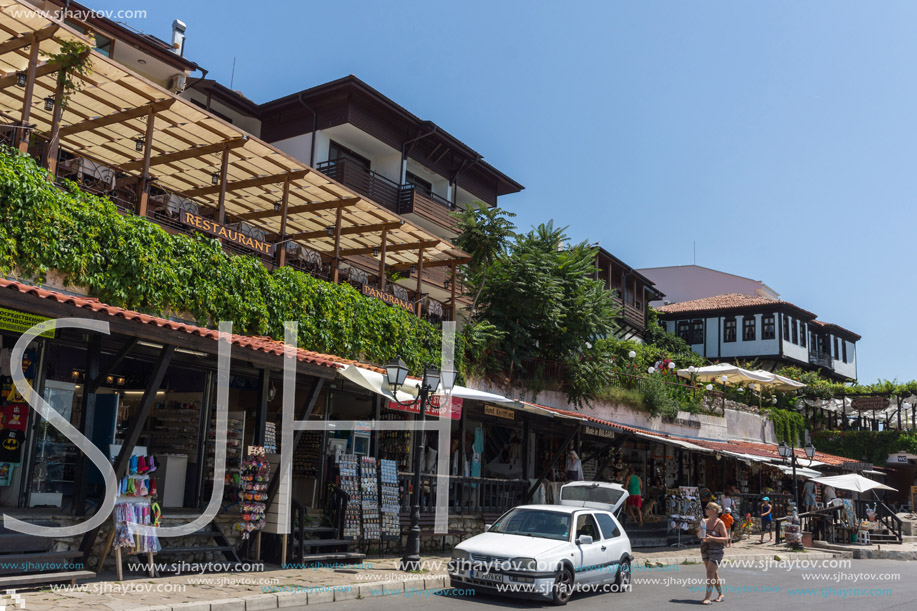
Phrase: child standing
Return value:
(728, 520)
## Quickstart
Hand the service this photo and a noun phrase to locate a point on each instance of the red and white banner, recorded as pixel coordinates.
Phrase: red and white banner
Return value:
(435, 407)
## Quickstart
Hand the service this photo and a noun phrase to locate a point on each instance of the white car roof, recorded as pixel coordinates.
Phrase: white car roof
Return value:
(558, 508)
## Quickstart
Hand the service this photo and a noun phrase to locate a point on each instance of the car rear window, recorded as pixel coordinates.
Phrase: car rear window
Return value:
(591, 494)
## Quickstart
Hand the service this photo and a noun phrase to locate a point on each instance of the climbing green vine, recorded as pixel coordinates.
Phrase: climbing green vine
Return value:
(131, 262)
(75, 62)
(870, 446)
(788, 426)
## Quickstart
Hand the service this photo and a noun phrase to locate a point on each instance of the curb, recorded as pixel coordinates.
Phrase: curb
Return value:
(326, 594)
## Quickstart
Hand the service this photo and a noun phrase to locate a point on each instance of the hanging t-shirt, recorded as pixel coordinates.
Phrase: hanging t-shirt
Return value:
(11, 441)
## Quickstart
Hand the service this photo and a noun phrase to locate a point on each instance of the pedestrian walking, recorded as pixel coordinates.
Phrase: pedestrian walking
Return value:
(767, 519)
(712, 534)
(635, 500)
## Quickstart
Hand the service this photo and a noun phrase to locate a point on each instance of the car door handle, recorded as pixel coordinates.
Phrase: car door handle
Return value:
(603, 548)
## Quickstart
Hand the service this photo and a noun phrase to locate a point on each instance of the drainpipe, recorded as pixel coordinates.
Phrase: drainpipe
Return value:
(404, 150)
(314, 128)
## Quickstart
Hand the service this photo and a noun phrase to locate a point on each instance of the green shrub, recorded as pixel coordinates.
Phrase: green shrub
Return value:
(130, 262)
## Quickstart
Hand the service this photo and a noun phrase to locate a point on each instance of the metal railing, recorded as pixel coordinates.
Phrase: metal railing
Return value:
(364, 181)
(822, 359)
(467, 495)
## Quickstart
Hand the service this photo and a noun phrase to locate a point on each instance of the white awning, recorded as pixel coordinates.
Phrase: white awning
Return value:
(374, 381)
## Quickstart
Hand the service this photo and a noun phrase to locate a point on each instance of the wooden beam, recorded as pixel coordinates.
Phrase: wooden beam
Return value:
(221, 203)
(452, 284)
(395, 248)
(144, 195)
(197, 151)
(301, 209)
(54, 144)
(41, 70)
(249, 183)
(93, 385)
(281, 254)
(23, 134)
(337, 246)
(355, 230)
(429, 264)
(31, 38)
(382, 246)
(419, 274)
(118, 117)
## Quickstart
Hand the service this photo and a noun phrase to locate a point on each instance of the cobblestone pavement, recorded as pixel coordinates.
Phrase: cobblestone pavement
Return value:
(289, 587)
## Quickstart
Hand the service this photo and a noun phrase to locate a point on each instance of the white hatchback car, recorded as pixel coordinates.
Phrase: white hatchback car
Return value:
(548, 551)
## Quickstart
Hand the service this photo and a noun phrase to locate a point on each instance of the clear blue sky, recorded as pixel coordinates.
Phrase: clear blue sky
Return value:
(779, 136)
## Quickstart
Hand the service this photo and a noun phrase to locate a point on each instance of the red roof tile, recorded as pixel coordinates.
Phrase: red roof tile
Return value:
(260, 343)
(729, 301)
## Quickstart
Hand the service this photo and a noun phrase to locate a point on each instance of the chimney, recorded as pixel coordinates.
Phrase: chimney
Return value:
(178, 37)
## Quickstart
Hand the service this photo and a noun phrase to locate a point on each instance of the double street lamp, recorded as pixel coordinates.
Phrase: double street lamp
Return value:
(396, 373)
(790, 452)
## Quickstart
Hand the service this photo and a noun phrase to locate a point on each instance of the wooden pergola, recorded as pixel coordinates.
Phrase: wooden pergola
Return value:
(123, 121)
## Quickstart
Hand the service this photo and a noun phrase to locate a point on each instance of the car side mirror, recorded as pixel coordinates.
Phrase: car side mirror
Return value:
(583, 540)
(487, 527)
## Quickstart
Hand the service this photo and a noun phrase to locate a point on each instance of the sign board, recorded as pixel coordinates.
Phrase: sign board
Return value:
(597, 432)
(221, 231)
(435, 407)
(913, 496)
(371, 291)
(869, 403)
(20, 322)
(499, 412)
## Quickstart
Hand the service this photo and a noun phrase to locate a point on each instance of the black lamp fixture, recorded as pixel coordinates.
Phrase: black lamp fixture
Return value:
(413, 269)
(330, 231)
(215, 178)
(277, 206)
(786, 452)
(139, 144)
(376, 252)
(446, 282)
(396, 373)
(21, 79)
(49, 103)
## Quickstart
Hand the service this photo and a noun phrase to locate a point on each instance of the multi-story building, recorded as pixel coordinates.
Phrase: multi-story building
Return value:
(737, 327)
(633, 293)
(398, 166)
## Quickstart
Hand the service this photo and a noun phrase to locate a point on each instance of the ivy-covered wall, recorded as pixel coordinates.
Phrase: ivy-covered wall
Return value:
(789, 426)
(870, 446)
(133, 263)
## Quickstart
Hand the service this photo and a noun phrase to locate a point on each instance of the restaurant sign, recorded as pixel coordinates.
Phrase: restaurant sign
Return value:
(221, 231)
(597, 432)
(499, 412)
(869, 403)
(371, 291)
(435, 407)
(19, 322)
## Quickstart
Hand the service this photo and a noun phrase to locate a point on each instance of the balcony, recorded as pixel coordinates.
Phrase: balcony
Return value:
(821, 359)
(376, 187)
(631, 315)
(428, 207)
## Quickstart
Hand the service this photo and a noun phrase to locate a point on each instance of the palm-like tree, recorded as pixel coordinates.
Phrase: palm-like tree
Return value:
(484, 233)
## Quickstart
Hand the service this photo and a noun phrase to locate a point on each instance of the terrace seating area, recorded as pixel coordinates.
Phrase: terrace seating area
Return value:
(157, 155)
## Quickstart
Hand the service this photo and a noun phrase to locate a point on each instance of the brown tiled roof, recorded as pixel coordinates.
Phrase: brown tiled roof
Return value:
(729, 301)
(259, 343)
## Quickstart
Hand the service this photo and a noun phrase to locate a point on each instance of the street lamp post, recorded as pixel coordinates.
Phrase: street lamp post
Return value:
(790, 452)
(396, 373)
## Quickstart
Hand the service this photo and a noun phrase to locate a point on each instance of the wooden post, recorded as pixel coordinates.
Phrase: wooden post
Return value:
(382, 259)
(224, 167)
(419, 274)
(452, 303)
(281, 255)
(87, 418)
(54, 144)
(23, 134)
(335, 273)
(143, 194)
(264, 389)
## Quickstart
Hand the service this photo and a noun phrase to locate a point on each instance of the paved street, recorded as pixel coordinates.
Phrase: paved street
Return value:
(754, 589)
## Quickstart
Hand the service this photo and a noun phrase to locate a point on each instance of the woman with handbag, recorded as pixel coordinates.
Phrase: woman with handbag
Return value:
(712, 533)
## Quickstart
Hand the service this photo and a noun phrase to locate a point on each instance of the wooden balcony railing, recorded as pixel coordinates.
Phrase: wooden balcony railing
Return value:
(428, 206)
(364, 181)
(822, 359)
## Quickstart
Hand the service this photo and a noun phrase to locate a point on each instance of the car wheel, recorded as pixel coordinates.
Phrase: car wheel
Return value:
(563, 586)
(622, 579)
